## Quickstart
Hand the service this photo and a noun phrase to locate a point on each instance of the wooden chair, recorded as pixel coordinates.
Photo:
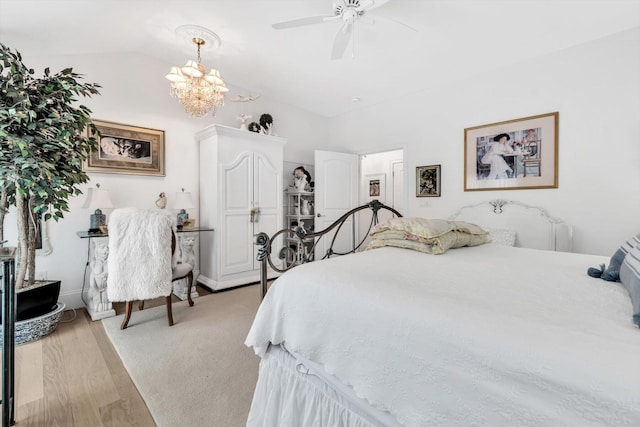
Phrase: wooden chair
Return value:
(533, 158)
(142, 246)
(179, 272)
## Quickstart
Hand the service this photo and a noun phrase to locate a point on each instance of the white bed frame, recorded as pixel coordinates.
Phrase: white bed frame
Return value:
(534, 227)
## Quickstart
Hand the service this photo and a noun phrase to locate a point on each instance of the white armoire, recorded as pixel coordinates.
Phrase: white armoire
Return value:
(240, 195)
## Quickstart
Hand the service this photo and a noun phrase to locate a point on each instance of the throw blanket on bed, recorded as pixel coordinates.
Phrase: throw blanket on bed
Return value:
(139, 254)
(489, 335)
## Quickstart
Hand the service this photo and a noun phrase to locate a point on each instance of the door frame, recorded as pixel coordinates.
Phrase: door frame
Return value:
(405, 191)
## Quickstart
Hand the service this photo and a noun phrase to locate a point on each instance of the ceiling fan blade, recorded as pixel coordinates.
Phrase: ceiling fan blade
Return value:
(310, 20)
(384, 18)
(341, 41)
(371, 4)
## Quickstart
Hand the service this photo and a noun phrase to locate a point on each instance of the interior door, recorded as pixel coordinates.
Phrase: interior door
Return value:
(398, 186)
(336, 192)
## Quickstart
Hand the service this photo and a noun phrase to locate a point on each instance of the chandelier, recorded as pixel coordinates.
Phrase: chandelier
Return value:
(198, 91)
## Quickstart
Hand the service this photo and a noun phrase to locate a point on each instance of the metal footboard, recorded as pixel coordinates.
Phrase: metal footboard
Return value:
(290, 257)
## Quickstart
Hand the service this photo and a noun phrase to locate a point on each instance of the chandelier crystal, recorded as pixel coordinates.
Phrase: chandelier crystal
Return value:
(198, 91)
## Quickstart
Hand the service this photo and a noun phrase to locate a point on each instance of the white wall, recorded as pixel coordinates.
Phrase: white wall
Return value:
(135, 92)
(595, 88)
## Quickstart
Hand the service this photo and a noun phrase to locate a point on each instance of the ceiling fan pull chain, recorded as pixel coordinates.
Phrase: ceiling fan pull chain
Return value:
(353, 42)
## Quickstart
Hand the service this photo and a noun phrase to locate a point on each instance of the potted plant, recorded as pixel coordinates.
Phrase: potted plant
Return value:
(43, 139)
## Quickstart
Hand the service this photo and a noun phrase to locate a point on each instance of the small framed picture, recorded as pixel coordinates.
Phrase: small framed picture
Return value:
(376, 189)
(428, 181)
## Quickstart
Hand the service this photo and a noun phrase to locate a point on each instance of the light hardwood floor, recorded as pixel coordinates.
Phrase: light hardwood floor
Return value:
(75, 378)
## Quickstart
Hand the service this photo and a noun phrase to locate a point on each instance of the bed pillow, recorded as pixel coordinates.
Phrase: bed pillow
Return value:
(502, 236)
(402, 243)
(435, 245)
(421, 227)
(467, 227)
(426, 228)
(630, 278)
(612, 273)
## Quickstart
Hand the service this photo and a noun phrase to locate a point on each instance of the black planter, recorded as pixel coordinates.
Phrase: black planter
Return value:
(37, 300)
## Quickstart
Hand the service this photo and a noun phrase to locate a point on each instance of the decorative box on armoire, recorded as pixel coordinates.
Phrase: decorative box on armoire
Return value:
(240, 195)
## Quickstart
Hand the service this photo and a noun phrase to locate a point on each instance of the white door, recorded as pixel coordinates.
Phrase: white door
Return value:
(398, 186)
(336, 192)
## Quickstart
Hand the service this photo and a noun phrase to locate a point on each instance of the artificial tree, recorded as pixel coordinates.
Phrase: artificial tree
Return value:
(43, 140)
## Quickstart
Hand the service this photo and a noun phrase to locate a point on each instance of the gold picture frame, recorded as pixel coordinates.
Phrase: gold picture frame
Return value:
(518, 154)
(125, 149)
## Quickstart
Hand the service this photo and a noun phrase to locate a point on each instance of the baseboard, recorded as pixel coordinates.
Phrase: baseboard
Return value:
(72, 299)
(233, 283)
(217, 291)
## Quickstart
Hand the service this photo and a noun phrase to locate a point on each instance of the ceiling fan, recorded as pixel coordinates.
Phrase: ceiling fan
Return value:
(349, 12)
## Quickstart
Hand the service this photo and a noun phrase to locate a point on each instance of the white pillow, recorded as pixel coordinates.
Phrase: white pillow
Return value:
(501, 236)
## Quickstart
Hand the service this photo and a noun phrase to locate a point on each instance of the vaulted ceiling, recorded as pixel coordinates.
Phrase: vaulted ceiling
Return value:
(455, 39)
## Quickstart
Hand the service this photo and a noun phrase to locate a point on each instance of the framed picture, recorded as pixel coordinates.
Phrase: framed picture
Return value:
(127, 149)
(517, 154)
(376, 189)
(428, 181)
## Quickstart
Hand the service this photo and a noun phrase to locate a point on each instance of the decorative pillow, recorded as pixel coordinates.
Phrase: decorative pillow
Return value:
(612, 273)
(467, 227)
(502, 236)
(426, 228)
(422, 227)
(630, 278)
(436, 245)
(401, 243)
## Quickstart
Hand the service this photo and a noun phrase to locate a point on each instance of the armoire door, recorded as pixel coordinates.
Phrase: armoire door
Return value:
(252, 199)
(236, 229)
(267, 198)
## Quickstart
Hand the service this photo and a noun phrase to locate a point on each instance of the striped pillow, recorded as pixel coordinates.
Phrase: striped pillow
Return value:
(630, 244)
(630, 278)
(612, 272)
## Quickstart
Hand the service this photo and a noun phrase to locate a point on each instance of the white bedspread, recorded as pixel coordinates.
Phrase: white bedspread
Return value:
(489, 335)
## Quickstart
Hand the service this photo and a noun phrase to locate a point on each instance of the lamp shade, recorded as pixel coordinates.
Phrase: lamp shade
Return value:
(98, 198)
(193, 69)
(183, 200)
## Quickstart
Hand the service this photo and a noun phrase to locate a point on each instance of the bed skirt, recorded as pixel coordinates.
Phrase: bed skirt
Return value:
(290, 393)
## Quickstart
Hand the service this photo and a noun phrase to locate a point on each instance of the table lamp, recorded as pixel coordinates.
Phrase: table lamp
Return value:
(183, 202)
(97, 199)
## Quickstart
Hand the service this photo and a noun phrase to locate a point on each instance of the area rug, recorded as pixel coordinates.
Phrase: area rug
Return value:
(197, 372)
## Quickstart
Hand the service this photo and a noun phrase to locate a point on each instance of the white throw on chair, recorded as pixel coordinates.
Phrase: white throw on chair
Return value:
(141, 264)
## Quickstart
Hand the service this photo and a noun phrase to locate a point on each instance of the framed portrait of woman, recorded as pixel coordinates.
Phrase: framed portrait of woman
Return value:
(516, 154)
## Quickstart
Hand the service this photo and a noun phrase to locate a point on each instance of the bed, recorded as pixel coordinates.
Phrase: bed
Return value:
(485, 335)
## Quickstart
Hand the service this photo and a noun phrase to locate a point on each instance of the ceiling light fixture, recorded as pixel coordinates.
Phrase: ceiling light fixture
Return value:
(198, 91)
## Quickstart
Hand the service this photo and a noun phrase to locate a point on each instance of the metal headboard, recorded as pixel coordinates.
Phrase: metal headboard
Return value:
(290, 257)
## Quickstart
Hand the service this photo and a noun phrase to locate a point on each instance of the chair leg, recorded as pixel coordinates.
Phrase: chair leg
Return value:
(141, 305)
(127, 315)
(169, 313)
(190, 283)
